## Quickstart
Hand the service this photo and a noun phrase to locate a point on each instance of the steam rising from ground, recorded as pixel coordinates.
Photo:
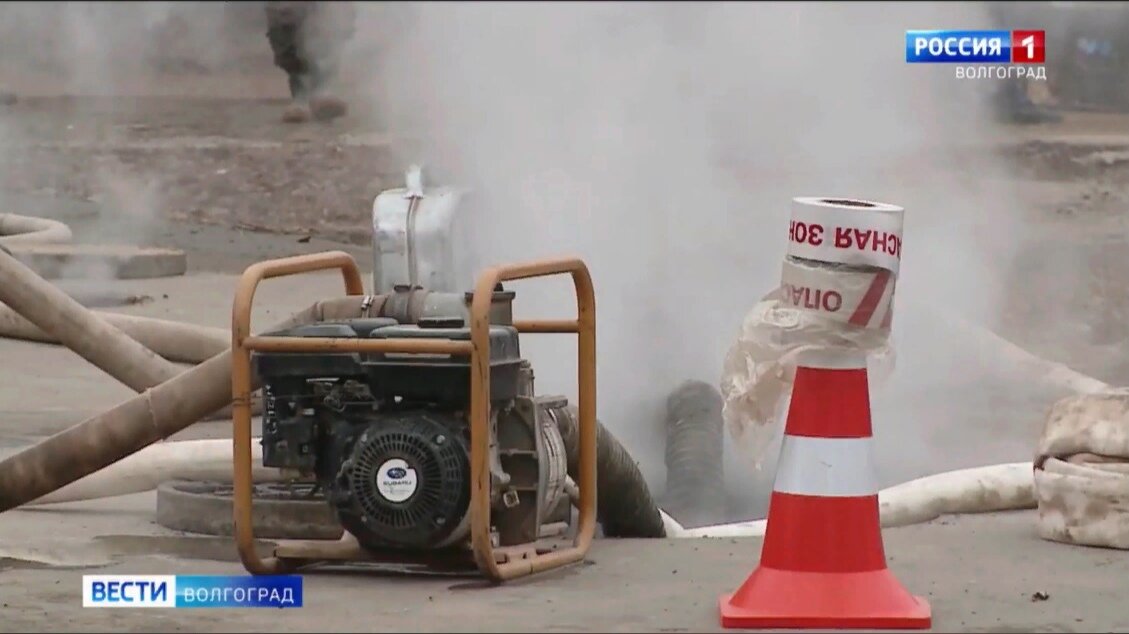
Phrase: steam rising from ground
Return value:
(100, 50)
(664, 142)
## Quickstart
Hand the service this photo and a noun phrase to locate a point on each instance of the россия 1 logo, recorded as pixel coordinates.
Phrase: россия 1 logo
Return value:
(976, 47)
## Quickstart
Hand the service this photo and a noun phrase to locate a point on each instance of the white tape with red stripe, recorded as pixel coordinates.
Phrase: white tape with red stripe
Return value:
(845, 231)
(859, 298)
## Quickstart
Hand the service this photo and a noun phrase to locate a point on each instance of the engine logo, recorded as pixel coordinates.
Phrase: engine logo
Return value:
(396, 480)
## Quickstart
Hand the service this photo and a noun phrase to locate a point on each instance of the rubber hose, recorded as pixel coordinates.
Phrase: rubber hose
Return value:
(1000, 487)
(695, 481)
(624, 506)
(145, 470)
(81, 330)
(137, 423)
(16, 229)
(172, 340)
(44, 307)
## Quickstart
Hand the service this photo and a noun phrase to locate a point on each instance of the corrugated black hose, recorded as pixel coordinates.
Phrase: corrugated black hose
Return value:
(695, 481)
(624, 506)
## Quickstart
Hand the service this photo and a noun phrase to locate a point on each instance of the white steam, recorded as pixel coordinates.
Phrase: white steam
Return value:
(95, 51)
(663, 143)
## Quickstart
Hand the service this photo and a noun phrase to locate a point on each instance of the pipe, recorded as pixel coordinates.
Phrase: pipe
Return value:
(695, 481)
(16, 229)
(173, 340)
(992, 488)
(137, 423)
(1001, 487)
(208, 460)
(81, 330)
(88, 333)
(624, 506)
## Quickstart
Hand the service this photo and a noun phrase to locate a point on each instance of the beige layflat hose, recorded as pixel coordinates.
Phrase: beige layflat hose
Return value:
(145, 470)
(16, 229)
(1084, 502)
(123, 433)
(80, 329)
(51, 312)
(131, 426)
(173, 340)
(1001, 487)
(993, 488)
(1082, 471)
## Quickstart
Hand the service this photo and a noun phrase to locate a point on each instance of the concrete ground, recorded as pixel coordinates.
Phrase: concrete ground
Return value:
(981, 573)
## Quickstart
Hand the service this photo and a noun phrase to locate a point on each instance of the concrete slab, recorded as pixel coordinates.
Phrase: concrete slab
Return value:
(984, 573)
(100, 261)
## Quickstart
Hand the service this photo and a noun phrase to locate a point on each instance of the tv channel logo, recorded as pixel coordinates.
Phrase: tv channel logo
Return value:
(191, 591)
(1028, 47)
(976, 47)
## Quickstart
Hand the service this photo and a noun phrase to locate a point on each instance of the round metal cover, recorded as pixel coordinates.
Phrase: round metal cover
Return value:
(278, 511)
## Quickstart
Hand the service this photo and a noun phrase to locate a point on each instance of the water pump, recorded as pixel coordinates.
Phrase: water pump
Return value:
(414, 411)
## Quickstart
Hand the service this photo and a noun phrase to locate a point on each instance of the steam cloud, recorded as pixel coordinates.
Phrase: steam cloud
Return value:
(95, 51)
(664, 142)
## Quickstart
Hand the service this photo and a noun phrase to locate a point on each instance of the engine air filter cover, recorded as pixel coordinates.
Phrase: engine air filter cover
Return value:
(407, 481)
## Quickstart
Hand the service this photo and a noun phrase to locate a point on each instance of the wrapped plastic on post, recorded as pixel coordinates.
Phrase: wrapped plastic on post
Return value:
(836, 291)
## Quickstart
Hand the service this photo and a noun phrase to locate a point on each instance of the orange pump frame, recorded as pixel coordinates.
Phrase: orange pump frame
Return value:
(498, 564)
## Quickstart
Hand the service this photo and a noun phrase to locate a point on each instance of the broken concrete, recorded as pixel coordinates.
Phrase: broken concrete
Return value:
(100, 261)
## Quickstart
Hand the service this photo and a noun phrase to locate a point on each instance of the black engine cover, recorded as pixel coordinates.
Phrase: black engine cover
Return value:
(405, 480)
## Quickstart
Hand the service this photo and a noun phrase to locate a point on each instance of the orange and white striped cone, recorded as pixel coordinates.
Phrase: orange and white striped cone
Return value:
(823, 564)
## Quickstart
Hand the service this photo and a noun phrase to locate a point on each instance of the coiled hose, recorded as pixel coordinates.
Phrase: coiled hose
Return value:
(695, 481)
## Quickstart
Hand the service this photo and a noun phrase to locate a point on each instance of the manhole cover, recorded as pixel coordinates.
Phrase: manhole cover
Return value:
(278, 511)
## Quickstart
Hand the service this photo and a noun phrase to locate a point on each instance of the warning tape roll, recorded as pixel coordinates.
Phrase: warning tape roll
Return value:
(846, 231)
(843, 259)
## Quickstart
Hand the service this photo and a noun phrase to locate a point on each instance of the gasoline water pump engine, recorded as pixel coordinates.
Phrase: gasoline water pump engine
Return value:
(386, 437)
(412, 409)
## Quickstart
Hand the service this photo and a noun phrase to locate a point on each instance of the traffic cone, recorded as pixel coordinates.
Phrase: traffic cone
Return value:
(823, 564)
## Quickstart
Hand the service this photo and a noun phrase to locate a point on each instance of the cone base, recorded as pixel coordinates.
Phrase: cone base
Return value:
(772, 598)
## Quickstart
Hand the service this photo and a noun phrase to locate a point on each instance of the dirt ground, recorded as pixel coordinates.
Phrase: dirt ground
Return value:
(210, 170)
